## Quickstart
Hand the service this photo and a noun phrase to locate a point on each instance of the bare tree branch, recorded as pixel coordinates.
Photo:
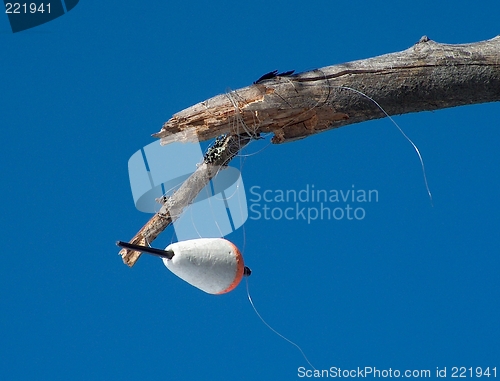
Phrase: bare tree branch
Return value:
(427, 76)
(174, 205)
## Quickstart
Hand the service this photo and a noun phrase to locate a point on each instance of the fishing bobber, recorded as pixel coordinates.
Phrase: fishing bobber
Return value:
(213, 265)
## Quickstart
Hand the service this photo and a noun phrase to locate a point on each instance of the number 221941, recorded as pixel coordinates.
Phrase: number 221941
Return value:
(463, 372)
(18, 8)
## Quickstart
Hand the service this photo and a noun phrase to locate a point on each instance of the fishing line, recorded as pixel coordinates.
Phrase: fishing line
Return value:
(402, 132)
(237, 121)
(329, 87)
(272, 329)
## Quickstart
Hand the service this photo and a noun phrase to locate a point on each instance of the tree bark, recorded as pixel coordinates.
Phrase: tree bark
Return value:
(428, 76)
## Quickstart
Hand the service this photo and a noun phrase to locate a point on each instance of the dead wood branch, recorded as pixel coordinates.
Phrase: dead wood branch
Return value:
(427, 76)
(174, 205)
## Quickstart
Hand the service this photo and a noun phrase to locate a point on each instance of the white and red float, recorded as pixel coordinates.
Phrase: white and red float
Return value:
(213, 265)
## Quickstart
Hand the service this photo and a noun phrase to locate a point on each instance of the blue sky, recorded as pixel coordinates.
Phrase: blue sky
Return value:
(411, 286)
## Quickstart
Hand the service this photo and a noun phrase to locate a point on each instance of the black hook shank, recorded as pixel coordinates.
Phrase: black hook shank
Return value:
(145, 249)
